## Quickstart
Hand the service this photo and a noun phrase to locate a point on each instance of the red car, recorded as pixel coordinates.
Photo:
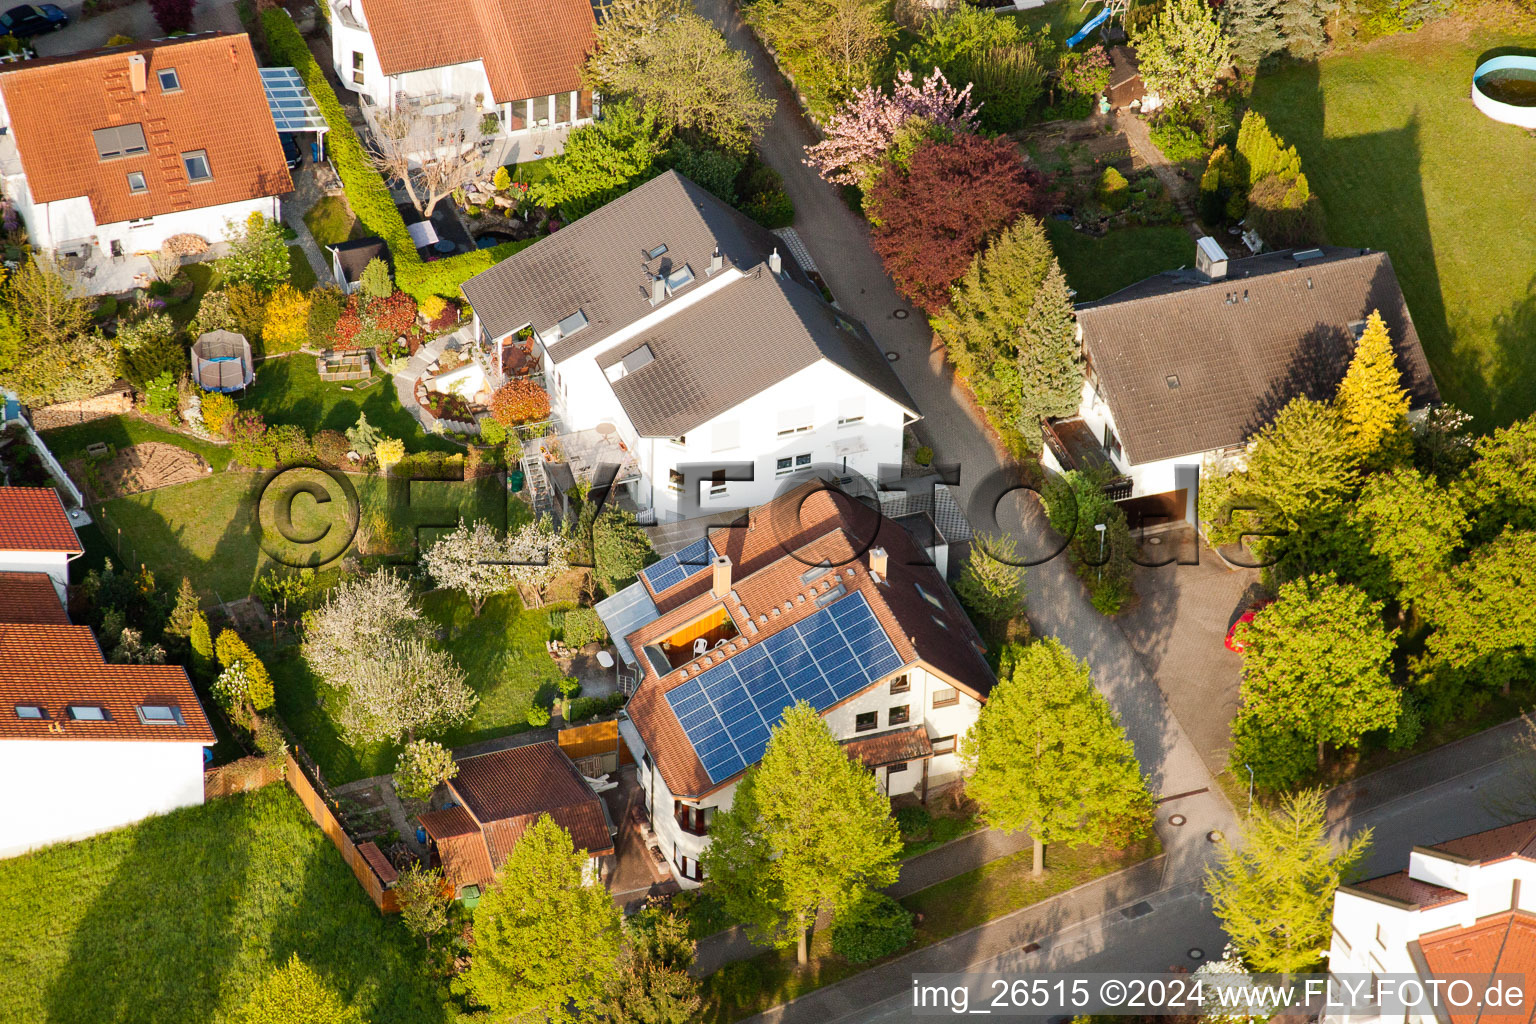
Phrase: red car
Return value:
(1233, 643)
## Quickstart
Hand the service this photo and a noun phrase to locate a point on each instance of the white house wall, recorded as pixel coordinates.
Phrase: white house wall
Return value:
(347, 40)
(57, 790)
(70, 220)
(1157, 477)
(457, 81)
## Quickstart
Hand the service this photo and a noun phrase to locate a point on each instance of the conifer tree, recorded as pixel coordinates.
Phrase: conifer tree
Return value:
(1274, 893)
(1251, 29)
(1050, 358)
(1049, 756)
(1372, 401)
(201, 642)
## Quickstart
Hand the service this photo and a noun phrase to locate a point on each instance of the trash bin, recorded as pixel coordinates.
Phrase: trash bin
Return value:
(515, 481)
(421, 836)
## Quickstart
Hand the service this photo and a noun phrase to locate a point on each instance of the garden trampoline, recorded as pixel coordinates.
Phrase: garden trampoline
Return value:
(221, 361)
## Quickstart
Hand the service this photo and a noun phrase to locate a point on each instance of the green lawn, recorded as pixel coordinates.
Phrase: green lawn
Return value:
(1063, 16)
(300, 273)
(1097, 267)
(332, 222)
(203, 278)
(176, 919)
(504, 660)
(1403, 162)
(218, 534)
(289, 390)
(121, 431)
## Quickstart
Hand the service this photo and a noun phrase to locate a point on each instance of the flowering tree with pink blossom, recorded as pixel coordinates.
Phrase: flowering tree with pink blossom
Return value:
(859, 136)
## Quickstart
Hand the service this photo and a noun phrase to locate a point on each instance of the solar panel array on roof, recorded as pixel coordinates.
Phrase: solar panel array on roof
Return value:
(675, 568)
(293, 108)
(729, 710)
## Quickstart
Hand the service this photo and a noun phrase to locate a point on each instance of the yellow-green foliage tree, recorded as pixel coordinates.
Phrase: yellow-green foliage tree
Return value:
(295, 994)
(389, 452)
(230, 648)
(1372, 400)
(287, 322)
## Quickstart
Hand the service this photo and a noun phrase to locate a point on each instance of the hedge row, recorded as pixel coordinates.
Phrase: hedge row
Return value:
(366, 192)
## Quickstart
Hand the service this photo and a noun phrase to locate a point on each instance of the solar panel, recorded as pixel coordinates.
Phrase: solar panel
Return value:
(675, 568)
(728, 710)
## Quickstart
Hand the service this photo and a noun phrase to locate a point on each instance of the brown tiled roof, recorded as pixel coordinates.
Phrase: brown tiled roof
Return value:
(1502, 943)
(770, 556)
(56, 666)
(1515, 840)
(29, 598)
(1411, 893)
(502, 794)
(1240, 348)
(896, 747)
(530, 49)
(33, 519)
(55, 105)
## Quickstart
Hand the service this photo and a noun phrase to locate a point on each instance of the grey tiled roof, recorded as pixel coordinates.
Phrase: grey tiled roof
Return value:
(598, 263)
(752, 334)
(1240, 347)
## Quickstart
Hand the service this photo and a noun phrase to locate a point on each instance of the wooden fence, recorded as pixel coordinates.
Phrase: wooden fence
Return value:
(599, 739)
(373, 870)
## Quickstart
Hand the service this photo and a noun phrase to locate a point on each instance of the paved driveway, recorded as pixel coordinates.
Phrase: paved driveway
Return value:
(133, 20)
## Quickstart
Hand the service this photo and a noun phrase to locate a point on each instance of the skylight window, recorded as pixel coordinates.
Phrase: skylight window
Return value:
(1173, 381)
(160, 714)
(88, 713)
(679, 278)
(136, 182)
(169, 80)
(196, 163)
(651, 254)
(929, 597)
(571, 324)
(120, 141)
(33, 712)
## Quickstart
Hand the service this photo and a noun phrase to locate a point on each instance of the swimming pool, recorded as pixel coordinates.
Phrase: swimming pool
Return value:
(1504, 88)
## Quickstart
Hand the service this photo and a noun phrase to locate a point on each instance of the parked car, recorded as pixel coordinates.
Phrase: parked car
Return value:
(33, 20)
(291, 150)
(1233, 643)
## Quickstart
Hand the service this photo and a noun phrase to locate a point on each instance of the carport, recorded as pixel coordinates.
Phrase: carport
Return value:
(293, 108)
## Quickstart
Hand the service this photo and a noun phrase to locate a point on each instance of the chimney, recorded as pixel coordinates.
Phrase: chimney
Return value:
(716, 262)
(658, 289)
(137, 73)
(1210, 260)
(878, 560)
(721, 584)
(775, 262)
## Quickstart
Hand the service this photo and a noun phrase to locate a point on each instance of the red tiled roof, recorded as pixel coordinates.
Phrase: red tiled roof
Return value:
(1499, 944)
(530, 48)
(1516, 840)
(33, 519)
(897, 747)
(56, 666)
(770, 556)
(221, 108)
(29, 598)
(502, 794)
(1412, 893)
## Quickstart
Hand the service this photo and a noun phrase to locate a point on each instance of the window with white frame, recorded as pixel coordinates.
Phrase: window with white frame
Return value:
(850, 411)
(791, 464)
(357, 68)
(796, 421)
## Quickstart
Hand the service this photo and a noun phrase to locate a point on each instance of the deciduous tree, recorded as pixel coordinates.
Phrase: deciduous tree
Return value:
(480, 562)
(931, 219)
(689, 76)
(1415, 526)
(1501, 483)
(424, 899)
(1318, 661)
(1274, 892)
(623, 28)
(1183, 52)
(808, 831)
(602, 161)
(423, 766)
(546, 939)
(838, 42)
(172, 15)
(862, 132)
(1049, 756)
(295, 994)
(429, 155)
(258, 255)
(1372, 400)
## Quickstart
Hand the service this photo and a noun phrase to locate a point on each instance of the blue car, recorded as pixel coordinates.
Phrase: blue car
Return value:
(33, 20)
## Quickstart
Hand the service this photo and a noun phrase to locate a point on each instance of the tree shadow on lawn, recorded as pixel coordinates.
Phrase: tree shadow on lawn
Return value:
(1514, 333)
(158, 529)
(288, 390)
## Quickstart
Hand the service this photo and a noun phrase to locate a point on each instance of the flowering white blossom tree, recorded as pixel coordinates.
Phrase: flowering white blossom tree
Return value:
(357, 620)
(481, 563)
(859, 136)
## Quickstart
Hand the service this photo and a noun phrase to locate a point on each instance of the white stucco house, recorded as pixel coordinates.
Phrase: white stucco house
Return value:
(109, 153)
(468, 60)
(85, 746)
(1183, 368)
(36, 535)
(1464, 907)
(677, 329)
(812, 598)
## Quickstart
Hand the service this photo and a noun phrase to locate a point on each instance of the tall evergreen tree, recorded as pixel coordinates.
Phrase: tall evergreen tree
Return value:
(1252, 30)
(1372, 400)
(1274, 892)
(546, 939)
(1050, 358)
(1317, 662)
(808, 831)
(652, 984)
(1050, 757)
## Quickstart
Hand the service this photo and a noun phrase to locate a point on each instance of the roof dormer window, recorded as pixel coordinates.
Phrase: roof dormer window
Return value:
(89, 713)
(160, 714)
(31, 712)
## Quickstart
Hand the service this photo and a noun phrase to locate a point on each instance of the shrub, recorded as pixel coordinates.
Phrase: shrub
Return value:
(492, 432)
(501, 180)
(248, 310)
(214, 314)
(772, 208)
(592, 707)
(324, 310)
(375, 282)
(218, 410)
(1114, 190)
(422, 765)
(248, 441)
(1279, 758)
(1178, 141)
(149, 347)
(388, 452)
(432, 306)
(582, 627)
(286, 320)
(538, 717)
(230, 648)
(913, 822)
(876, 926)
(712, 169)
(172, 15)
(331, 448)
(258, 255)
(519, 401)
(290, 444)
(923, 456)
(160, 395)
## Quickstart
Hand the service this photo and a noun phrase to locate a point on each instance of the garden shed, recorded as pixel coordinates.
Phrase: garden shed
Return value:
(1125, 84)
(221, 361)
